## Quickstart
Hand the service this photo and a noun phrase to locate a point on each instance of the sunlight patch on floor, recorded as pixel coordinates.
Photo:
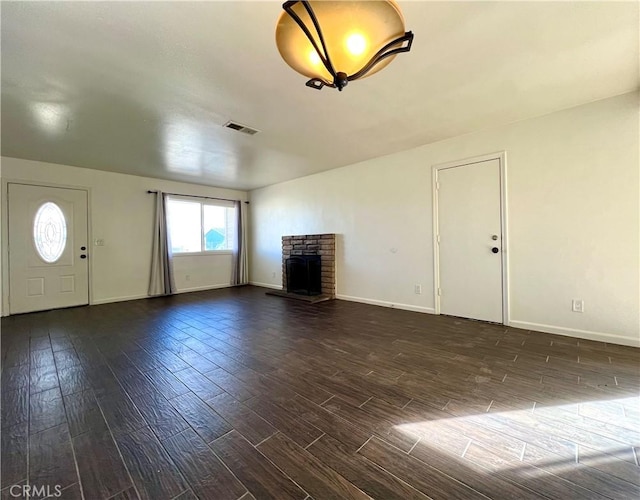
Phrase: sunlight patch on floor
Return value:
(554, 438)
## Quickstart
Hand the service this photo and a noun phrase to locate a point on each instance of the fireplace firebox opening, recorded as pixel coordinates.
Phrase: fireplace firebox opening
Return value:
(304, 274)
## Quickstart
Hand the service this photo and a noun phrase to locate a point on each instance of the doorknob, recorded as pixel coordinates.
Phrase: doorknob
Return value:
(495, 250)
(83, 248)
(83, 256)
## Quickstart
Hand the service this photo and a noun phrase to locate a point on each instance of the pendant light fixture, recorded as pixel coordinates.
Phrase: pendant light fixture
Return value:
(335, 42)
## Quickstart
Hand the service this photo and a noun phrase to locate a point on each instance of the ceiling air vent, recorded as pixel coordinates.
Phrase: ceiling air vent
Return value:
(241, 128)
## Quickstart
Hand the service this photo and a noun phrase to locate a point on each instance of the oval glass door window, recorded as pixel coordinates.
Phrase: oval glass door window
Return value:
(49, 232)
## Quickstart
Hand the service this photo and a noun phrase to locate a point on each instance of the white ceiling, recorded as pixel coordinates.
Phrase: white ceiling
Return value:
(143, 88)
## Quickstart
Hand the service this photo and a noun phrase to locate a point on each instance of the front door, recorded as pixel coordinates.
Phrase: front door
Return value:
(47, 248)
(470, 240)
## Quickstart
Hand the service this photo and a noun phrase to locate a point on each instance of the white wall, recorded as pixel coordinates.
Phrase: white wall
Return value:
(573, 220)
(121, 213)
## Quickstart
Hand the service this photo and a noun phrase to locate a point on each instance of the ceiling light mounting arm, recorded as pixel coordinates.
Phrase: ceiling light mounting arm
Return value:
(327, 58)
(385, 52)
(322, 54)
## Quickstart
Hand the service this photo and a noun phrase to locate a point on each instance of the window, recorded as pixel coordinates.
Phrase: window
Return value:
(50, 232)
(200, 226)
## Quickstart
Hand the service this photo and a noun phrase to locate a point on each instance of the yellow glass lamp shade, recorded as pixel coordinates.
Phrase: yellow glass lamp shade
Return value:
(333, 42)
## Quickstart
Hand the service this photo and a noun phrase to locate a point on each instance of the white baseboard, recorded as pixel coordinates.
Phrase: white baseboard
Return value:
(266, 285)
(109, 300)
(384, 303)
(609, 338)
(206, 287)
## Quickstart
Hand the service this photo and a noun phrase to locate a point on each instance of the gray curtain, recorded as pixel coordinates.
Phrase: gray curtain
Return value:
(161, 282)
(240, 270)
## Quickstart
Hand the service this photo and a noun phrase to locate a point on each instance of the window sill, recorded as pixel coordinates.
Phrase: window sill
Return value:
(203, 254)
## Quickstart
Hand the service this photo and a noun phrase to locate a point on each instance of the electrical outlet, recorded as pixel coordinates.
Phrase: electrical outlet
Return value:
(418, 289)
(577, 305)
(187, 277)
(99, 242)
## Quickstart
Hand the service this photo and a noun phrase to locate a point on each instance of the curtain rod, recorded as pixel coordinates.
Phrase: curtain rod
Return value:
(195, 196)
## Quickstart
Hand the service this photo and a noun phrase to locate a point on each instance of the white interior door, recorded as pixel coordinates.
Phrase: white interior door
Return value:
(470, 241)
(47, 248)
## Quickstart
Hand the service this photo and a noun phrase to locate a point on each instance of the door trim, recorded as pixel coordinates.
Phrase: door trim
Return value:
(501, 156)
(4, 222)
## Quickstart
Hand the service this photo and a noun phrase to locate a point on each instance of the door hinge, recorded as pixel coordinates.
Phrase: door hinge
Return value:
(437, 185)
(438, 238)
(439, 292)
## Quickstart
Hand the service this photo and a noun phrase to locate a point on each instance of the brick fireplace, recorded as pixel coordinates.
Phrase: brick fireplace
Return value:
(323, 245)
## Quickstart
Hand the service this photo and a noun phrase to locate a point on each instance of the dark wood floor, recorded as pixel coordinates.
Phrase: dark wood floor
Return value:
(233, 394)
